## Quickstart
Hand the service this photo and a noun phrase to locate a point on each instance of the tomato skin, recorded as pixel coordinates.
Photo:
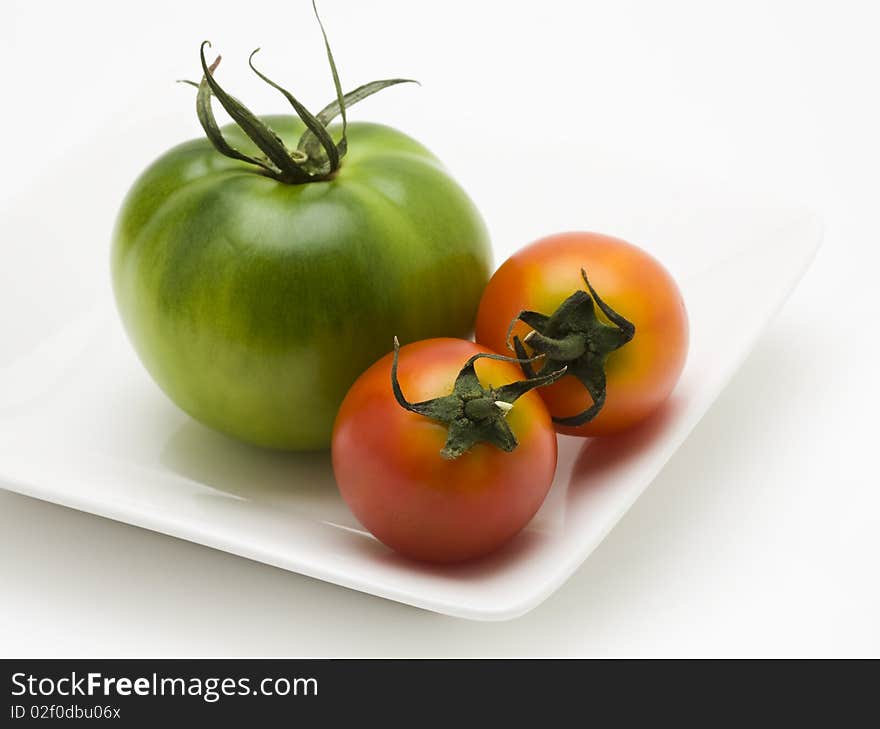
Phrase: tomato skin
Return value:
(642, 374)
(255, 304)
(390, 472)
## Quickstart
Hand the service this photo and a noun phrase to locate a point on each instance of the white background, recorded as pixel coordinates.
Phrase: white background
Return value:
(760, 537)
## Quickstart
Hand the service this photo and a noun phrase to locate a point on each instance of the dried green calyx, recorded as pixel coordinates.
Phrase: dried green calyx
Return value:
(473, 413)
(317, 155)
(573, 336)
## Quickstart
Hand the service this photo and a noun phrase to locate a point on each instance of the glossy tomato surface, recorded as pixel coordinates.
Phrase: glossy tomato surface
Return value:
(642, 374)
(255, 304)
(389, 469)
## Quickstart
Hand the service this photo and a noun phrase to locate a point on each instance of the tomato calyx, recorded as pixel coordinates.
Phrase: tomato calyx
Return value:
(316, 157)
(473, 413)
(573, 336)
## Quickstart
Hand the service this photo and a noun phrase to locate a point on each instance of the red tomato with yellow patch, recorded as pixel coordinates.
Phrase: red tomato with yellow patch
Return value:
(639, 375)
(443, 507)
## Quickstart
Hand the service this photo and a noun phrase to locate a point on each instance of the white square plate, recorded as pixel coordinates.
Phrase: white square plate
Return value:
(81, 423)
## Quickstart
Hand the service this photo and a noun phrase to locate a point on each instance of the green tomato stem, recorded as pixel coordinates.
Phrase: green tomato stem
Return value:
(316, 157)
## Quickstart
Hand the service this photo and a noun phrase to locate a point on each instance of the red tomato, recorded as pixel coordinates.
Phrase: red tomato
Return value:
(388, 464)
(640, 374)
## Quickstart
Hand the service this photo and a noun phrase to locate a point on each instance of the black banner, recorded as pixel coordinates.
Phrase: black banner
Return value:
(266, 692)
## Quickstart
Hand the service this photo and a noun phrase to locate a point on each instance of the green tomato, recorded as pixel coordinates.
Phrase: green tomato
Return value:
(255, 304)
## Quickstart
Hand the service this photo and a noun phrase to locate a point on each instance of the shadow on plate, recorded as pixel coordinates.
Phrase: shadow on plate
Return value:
(602, 456)
(303, 484)
(283, 481)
